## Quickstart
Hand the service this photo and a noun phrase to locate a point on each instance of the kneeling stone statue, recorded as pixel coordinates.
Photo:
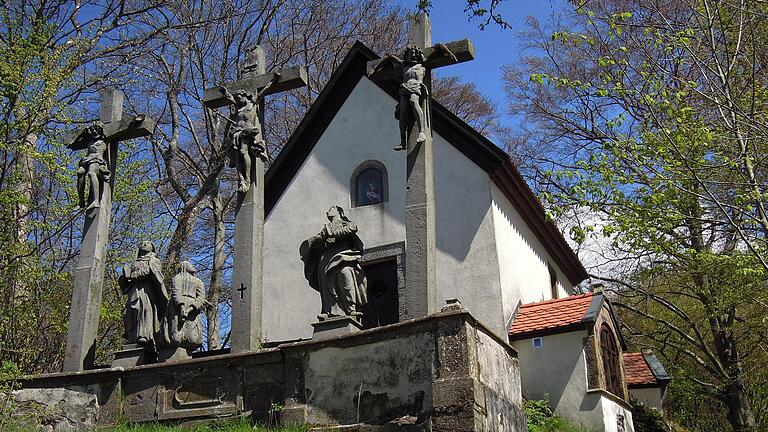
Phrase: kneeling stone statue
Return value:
(332, 267)
(185, 319)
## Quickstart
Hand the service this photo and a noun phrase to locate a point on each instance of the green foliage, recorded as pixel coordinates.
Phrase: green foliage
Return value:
(688, 408)
(541, 418)
(646, 419)
(670, 178)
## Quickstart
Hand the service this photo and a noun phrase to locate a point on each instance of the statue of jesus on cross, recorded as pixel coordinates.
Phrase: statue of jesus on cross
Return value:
(245, 131)
(413, 91)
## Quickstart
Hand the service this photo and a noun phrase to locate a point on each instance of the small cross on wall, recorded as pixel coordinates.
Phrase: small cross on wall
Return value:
(242, 290)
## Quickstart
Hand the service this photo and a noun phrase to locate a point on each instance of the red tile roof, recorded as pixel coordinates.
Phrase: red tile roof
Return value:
(637, 371)
(550, 315)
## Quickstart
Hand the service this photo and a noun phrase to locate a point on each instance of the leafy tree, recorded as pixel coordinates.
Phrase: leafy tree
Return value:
(652, 117)
(54, 55)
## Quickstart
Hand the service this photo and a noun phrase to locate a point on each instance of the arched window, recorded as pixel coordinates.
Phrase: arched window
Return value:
(368, 184)
(610, 355)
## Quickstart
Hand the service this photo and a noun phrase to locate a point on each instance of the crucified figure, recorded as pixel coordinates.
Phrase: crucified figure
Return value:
(93, 168)
(413, 91)
(245, 131)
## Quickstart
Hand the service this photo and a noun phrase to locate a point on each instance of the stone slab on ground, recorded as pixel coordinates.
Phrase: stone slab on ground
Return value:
(58, 409)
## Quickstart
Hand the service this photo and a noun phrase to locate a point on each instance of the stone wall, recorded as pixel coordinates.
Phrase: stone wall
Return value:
(445, 372)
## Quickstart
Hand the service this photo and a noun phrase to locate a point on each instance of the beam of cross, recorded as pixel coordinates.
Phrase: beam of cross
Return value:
(97, 168)
(412, 69)
(247, 151)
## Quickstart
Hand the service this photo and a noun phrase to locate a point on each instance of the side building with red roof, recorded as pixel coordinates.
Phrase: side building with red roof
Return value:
(571, 354)
(647, 379)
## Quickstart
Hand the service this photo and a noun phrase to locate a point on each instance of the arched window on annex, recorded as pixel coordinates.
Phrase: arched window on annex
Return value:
(368, 184)
(610, 355)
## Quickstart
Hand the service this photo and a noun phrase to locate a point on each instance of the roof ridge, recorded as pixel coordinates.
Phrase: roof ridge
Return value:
(558, 300)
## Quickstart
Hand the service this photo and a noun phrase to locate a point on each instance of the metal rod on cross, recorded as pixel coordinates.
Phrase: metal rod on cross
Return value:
(248, 152)
(96, 170)
(413, 70)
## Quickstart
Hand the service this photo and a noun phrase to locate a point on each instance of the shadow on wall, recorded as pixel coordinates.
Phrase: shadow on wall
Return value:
(522, 230)
(462, 199)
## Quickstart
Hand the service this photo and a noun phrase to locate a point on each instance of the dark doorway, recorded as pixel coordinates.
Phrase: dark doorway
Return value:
(382, 308)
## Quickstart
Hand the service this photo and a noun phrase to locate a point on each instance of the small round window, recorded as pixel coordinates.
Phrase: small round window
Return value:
(369, 187)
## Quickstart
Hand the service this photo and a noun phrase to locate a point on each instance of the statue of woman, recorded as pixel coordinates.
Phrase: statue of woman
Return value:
(145, 309)
(332, 266)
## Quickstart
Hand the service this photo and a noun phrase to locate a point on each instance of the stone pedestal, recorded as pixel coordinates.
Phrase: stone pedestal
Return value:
(336, 326)
(248, 263)
(134, 355)
(174, 354)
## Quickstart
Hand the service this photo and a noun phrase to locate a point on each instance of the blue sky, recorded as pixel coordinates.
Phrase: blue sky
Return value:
(494, 46)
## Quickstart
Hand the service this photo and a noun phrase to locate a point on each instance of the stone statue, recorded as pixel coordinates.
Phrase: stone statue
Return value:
(187, 299)
(413, 91)
(93, 168)
(245, 132)
(332, 266)
(145, 309)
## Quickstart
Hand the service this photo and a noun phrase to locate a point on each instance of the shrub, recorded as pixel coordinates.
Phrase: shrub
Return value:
(541, 418)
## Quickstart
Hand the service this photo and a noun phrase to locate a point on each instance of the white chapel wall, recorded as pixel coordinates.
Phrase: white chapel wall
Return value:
(467, 267)
(365, 129)
(523, 260)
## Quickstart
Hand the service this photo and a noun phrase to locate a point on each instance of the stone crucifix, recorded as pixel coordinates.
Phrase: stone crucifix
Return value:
(248, 154)
(96, 172)
(412, 70)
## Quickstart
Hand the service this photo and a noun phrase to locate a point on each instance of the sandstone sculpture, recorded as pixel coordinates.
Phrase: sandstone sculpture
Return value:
(93, 169)
(332, 266)
(245, 131)
(187, 299)
(145, 309)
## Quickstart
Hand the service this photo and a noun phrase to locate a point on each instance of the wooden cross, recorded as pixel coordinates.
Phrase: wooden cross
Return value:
(249, 212)
(89, 273)
(416, 138)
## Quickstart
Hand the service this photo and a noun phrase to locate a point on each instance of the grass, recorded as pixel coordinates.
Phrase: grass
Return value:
(228, 426)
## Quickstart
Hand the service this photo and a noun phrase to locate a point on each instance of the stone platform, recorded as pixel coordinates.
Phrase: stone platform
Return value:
(445, 372)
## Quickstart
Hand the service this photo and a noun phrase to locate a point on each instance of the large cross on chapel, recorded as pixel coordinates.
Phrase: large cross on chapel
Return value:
(413, 70)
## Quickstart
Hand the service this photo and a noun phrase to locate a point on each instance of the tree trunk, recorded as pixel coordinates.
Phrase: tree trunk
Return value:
(184, 225)
(24, 173)
(214, 292)
(739, 407)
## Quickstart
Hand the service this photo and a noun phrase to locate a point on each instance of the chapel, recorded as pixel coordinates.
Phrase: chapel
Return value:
(497, 252)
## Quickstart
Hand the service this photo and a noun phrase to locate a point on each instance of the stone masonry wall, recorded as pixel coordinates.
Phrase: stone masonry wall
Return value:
(445, 372)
